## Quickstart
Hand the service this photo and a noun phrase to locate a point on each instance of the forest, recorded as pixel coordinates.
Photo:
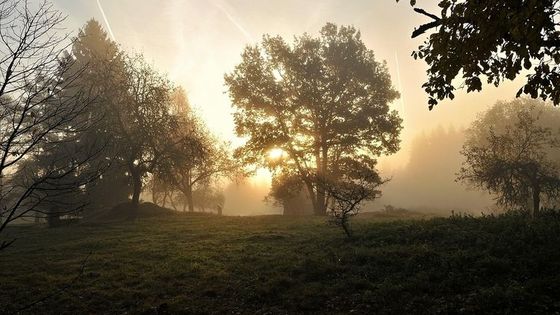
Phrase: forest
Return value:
(326, 180)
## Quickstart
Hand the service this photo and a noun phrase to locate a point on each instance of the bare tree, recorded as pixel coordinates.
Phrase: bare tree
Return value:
(40, 111)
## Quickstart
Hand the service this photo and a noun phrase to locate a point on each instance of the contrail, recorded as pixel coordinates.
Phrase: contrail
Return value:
(106, 21)
(400, 84)
(233, 21)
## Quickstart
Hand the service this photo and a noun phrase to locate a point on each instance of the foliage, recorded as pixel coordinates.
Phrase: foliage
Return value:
(40, 121)
(197, 160)
(275, 264)
(512, 151)
(319, 100)
(354, 181)
(142, 110)
(102, 62)
(288, 191)
(494, 40)
(207, 197)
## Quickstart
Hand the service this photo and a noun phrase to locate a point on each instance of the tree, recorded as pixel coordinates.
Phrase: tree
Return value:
(36, 114)
(197, 159)
(208, 197)
(54, 178)
(161, 189)
(512, 151)
(355, 180)
(495, 40)
(103, 64)
(287, 190)
(318, 100)
(143, 114)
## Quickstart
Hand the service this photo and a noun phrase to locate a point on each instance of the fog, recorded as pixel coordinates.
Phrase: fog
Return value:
(248, 198)
(196, 42)
(427, 182)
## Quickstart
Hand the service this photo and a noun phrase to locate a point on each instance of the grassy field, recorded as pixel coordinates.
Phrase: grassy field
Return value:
(278, 265)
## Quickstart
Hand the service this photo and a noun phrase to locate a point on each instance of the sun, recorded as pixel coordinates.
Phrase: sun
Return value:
(276, 154)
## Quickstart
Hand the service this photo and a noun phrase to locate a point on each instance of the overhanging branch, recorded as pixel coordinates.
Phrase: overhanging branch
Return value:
(425, 27)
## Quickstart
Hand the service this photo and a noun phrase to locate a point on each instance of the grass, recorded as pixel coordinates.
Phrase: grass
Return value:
(279, 265)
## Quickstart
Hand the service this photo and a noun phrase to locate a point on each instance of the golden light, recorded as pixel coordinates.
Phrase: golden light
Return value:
(276, 154)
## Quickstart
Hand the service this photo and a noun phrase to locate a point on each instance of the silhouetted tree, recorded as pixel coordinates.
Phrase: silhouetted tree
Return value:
(208, 197)
(162, 190)
(144, 120)
(37, 114)
(513, 151)
(58, 174)
(288, 191)
(492, 40)
(197, 159)
(320, 100)
(103, 64)
(355, 180)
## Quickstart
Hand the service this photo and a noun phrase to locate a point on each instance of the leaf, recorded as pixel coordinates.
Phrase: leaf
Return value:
(527, 63)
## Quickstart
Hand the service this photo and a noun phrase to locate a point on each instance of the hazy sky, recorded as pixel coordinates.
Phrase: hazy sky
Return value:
(197, 41)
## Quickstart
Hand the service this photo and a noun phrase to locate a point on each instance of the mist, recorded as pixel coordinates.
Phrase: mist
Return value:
(428, 180)
(279, 157)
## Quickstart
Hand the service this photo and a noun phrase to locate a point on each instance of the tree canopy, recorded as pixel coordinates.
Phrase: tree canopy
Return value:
(196, 160)
(319, 100)
(101, 62)
(492, 41)
(40, 121)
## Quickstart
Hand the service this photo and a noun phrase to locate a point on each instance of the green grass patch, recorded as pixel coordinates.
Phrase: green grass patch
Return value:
(278, 265)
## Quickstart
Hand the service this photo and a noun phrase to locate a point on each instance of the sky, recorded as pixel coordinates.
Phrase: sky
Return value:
(196, 42)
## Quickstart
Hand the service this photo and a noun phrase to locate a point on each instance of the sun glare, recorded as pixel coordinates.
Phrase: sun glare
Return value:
(276, 154)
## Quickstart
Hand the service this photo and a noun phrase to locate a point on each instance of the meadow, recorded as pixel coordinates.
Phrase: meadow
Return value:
(205, 264)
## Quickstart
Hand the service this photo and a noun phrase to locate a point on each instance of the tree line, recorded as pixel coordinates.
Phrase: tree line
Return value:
(85, 125)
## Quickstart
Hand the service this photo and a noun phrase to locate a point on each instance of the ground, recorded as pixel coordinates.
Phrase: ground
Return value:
(197, 264)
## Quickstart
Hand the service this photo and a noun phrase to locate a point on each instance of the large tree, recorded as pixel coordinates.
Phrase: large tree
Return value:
(512, 151)
(492, 41)
(102, 63)
(37, 115)
(144, 120)
(320, 100)
(137, 107)
(197, 160)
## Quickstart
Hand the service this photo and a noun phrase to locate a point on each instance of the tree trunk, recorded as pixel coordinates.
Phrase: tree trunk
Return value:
(536, 201)
(321, 158)
(189, 197)
(172, 202)
(136, 189)
(164, 201)
(155, 197)
(346, 228)
(312, 195)
(53, 218)
(321, 199)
